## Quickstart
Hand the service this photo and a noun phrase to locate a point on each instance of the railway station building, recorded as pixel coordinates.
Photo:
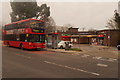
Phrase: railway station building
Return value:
(107, 37)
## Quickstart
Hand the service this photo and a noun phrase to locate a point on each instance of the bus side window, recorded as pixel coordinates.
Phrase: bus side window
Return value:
(6, 27)
(22, 37)
(11, 26)
(16, 26)
(26, 24)
(21, 25)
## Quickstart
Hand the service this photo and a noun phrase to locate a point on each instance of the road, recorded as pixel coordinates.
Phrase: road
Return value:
(46, 64)
(0, 59)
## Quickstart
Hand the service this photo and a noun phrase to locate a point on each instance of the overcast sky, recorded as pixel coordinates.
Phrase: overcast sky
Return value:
(80, 14)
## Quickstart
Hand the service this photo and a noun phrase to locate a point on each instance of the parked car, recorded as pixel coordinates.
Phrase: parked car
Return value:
(118, 46)
(62, 44)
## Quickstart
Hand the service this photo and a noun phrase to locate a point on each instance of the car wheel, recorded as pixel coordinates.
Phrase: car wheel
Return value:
(69, 46)
(61, 47)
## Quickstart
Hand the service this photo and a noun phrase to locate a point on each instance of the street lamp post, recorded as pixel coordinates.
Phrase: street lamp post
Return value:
(109, 38)
(79, 40)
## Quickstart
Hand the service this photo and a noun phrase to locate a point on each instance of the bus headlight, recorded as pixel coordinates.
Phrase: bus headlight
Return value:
(29, 44)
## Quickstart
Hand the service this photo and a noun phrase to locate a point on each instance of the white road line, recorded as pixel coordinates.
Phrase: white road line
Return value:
(102, 65)
(103, 59)
(75, 54)
(97, 57)
(85, 55)
(23, 56)
(72, 68)
(110, 59)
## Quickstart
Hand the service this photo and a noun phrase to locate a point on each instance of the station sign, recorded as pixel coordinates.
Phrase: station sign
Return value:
(66, 34)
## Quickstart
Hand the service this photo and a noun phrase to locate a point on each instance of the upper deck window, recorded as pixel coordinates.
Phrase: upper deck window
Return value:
(36, 24)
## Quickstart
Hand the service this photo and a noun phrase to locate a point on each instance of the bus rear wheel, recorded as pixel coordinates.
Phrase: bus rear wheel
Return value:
(21, 46)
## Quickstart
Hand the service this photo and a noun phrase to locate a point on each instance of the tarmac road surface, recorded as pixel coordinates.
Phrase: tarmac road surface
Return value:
(19, 63)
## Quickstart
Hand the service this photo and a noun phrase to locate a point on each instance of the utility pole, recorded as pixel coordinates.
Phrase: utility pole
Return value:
(79, 40)
(109, 38)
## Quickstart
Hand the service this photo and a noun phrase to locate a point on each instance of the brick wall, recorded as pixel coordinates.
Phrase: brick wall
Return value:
(111, 37)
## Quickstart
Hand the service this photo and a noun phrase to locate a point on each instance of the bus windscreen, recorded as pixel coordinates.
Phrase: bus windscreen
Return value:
(36, 38)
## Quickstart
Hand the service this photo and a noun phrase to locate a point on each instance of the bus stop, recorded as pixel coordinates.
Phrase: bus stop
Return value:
(52, 40)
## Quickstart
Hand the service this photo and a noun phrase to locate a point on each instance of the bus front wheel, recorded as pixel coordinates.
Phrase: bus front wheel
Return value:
(8, 44)
(21, 46)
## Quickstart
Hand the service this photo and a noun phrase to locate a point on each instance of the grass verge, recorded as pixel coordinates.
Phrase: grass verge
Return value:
(75, 49)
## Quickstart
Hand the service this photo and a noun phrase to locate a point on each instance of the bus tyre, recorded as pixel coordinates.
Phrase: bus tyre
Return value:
(21, 46)
(8, 44)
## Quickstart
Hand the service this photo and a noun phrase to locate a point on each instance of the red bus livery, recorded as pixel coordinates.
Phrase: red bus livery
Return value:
(28, 34)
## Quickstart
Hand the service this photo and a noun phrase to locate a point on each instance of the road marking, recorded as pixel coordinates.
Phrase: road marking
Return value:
(97, 57)
(23, 56)
(112, 59)
(85, 55)
(103, 59)
(72, 68)
(76, 54)
(102, 65)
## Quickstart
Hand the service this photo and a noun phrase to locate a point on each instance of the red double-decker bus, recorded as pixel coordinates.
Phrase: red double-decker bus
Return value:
(25, 34)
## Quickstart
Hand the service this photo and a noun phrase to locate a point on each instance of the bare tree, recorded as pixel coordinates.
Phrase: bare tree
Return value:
(64, 28)
(92, 29)
(114, 22)
(50, 25)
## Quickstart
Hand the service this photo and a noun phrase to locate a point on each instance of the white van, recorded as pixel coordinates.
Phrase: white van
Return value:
(62, 44)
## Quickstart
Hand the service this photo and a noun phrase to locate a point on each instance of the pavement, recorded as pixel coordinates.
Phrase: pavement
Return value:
(93, 50)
